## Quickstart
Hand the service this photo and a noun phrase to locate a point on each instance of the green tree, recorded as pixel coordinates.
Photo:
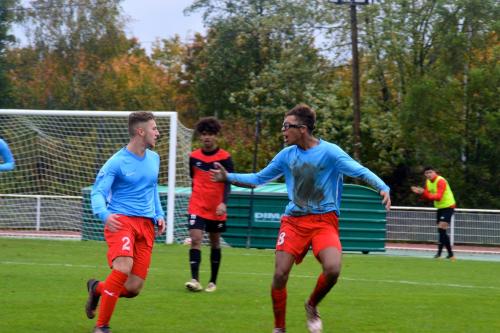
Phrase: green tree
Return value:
(7, 18)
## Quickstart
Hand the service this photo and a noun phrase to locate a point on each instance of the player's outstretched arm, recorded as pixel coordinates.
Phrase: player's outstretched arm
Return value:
(386, 199)
(219, 174)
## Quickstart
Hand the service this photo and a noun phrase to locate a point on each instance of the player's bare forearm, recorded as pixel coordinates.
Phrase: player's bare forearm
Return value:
(244, 185)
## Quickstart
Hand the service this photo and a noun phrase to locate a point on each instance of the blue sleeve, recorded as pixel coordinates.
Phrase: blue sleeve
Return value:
(272, 171)
(102, 187)
(348, 166)
(159, 213)
(7, 157)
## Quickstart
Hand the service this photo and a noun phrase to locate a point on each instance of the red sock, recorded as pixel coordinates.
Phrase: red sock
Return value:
(98, 288)
(109, 296)
(322, 288)
(279, 306)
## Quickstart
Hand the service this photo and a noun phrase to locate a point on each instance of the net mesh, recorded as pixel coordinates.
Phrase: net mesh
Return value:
(57, 159)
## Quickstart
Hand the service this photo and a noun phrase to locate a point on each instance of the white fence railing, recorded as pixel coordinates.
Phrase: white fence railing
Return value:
(409, 224)
(469, 226)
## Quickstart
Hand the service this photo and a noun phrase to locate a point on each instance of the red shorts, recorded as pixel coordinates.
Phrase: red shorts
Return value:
(135, 239)
(298, 233)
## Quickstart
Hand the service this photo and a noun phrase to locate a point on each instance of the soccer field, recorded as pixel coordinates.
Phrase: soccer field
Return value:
(43, 290)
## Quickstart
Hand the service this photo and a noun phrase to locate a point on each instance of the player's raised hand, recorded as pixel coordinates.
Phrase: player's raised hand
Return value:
(417, 189)
(386, 201)
(219, 174)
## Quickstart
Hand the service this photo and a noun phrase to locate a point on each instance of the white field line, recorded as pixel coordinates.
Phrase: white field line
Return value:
(415, 283)
(416, 248)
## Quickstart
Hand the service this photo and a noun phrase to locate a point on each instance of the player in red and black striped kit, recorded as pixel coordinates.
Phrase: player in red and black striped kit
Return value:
(207, 205)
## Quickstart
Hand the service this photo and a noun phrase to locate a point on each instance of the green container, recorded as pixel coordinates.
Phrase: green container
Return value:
(362, 218)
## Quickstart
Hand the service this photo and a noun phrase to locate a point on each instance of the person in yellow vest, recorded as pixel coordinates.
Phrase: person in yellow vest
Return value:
(438, 190)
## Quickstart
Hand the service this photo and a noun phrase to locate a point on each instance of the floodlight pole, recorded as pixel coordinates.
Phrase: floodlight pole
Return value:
(356, 96)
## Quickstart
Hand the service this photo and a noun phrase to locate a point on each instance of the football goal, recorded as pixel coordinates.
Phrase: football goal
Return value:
(58, 154)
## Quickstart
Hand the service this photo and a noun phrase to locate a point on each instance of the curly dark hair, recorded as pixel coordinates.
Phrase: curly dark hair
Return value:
(209, 125)
(305, 115)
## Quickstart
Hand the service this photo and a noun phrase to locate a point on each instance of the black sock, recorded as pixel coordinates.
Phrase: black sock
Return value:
(447, 244)
(442, 240)
(194, 262)
(215, 257)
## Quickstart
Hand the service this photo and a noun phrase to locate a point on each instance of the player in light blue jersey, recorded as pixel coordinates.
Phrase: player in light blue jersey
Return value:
(7, 162)
(125, 197)
(313, 171)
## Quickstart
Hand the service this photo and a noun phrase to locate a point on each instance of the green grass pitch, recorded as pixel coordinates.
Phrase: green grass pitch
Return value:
(42, 288)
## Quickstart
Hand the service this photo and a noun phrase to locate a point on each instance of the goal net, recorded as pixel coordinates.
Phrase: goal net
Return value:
(58, 154)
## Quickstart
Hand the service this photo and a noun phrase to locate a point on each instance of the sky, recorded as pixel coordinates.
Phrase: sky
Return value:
(153, 19)
(149, 20)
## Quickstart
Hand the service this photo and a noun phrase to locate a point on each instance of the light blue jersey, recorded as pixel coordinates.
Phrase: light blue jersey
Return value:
(7, 162)
(128, 184)
(314, 177)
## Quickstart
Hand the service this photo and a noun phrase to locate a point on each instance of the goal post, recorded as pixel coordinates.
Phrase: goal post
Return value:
(59, 152)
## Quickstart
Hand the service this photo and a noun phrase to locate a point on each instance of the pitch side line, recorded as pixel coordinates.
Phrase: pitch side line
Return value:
(415, 283)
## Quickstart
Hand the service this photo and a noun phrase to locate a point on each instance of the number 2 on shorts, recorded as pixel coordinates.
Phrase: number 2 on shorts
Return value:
(126, 244)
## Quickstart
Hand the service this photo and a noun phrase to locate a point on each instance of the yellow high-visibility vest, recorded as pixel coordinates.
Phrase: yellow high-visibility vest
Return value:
(447, 200)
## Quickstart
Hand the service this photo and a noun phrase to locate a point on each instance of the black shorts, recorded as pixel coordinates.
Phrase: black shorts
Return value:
(445, 214)
(198, 222)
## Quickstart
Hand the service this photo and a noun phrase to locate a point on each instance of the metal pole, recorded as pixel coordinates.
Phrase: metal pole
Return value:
(38, 212)
(452, 230)
(254, 169)
(172, 158)
(356, 99)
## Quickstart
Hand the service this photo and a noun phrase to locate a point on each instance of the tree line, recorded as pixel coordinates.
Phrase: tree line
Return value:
(429, 78)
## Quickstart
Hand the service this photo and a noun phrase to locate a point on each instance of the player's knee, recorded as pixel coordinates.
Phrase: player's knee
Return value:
(332, 272)
(280, 277)
(195, 242)
(132, 293)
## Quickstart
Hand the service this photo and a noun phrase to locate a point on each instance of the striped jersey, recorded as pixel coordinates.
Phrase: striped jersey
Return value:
(206, 195)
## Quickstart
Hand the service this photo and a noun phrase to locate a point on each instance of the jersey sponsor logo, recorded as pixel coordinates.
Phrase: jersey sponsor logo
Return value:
(220, 225)
(267, 217)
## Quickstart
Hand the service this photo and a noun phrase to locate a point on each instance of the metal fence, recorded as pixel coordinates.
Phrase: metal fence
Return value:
(469, 226)
(407, 224)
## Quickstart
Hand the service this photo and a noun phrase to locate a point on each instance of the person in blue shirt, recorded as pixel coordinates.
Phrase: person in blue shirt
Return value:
(313, 171)
(125, 197)
(7, 162)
